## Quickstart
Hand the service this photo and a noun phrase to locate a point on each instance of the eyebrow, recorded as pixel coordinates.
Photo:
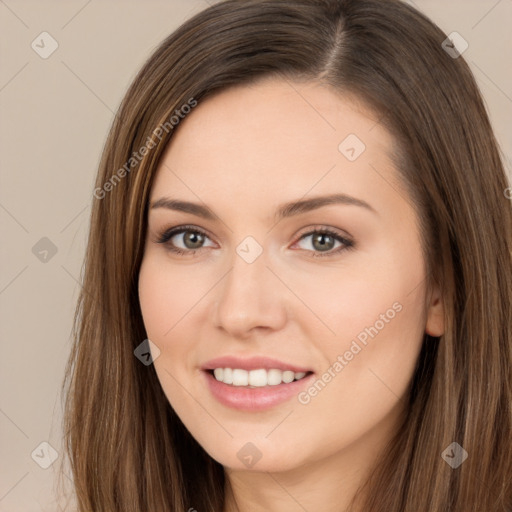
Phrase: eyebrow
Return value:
(283, 211)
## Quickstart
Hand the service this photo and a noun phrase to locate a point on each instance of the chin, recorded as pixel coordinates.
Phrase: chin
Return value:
(259, 455)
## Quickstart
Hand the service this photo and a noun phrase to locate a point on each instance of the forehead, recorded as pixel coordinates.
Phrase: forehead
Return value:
(275, 140)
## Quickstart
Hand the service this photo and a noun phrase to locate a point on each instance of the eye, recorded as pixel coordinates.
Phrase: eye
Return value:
(186, 240)
(323, 241)
(190, 238)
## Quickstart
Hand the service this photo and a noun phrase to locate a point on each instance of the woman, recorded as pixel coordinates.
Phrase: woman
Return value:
(297, 290)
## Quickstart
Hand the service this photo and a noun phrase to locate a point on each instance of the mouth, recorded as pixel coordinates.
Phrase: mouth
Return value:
(258, 378)
(254, 384)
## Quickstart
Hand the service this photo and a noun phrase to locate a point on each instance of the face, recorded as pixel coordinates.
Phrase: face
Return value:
(283, 258)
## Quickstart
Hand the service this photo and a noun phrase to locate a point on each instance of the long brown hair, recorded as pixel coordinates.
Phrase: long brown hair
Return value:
(127, 449)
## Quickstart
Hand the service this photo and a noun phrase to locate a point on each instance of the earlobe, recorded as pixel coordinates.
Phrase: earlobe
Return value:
(435, 315)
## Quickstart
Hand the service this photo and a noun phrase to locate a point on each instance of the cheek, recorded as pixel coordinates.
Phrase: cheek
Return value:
(166, 296)
(343, 302)
(378, 317)
(165, 299)
(368, 374)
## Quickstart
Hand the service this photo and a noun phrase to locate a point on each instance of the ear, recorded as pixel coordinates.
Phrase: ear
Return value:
(435, 314)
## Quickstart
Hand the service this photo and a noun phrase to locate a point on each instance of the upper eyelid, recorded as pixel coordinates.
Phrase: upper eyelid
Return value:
(180, 229)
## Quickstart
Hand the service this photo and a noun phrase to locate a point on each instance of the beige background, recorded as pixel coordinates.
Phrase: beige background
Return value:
(55, 114)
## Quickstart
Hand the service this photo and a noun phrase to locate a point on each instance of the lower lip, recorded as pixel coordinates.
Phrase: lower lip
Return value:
(254, 399)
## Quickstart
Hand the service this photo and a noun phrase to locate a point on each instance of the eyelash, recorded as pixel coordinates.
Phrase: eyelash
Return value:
(165, 236)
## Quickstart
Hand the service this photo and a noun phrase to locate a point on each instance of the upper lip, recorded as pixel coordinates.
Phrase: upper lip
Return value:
(252, 363)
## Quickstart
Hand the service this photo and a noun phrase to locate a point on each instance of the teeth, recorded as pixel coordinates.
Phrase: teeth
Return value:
(288, 376)
(274, 377)
(240, 377)
(228, 376)
(256, 378)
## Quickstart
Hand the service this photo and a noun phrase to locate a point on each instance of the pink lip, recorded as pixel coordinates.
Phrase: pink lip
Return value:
(251, 363)
(253, 399)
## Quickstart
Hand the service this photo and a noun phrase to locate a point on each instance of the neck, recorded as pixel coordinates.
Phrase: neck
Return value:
(298, 489)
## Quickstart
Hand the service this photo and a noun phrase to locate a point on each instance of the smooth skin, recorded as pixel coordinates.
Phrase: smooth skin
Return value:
(243, 153)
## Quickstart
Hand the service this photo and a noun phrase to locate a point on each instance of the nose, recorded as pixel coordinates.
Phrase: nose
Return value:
(250, 298)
